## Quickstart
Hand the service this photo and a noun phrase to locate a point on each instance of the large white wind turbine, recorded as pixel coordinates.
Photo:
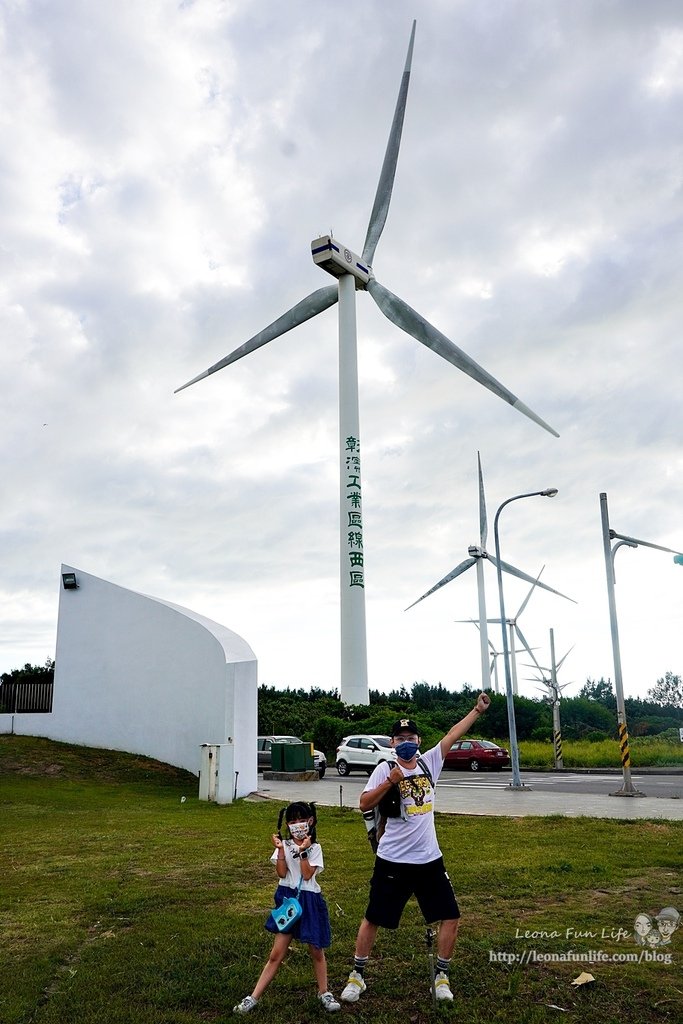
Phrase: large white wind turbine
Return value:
(356, 273)
(477, 555)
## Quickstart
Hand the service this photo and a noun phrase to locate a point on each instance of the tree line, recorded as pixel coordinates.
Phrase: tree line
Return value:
(319, 716)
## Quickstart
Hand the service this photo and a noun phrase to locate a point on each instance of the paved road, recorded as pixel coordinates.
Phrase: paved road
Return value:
(489, 794)
(652, 784)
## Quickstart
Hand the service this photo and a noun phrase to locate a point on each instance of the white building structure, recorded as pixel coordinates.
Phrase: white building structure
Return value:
(139, 674)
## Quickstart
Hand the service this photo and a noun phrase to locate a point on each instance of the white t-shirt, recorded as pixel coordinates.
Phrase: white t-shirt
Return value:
(411, 839)
(293, 876)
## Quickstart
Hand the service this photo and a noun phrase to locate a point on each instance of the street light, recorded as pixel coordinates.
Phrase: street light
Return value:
(516, 783)
(608, 535)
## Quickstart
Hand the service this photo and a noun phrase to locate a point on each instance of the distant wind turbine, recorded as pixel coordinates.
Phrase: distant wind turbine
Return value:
(553, 691)
(513, 626)
(477, 555)
(356, 273)
(493, 667)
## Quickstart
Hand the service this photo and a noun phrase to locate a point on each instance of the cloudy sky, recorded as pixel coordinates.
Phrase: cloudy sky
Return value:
(164, 167)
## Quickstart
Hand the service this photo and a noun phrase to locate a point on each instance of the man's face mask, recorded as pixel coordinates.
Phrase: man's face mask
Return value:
(406, 750)
(298, 829)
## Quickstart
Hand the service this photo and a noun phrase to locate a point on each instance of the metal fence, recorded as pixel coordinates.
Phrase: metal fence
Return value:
(19, 697)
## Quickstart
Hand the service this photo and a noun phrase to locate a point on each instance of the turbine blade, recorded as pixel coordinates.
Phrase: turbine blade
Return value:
(526, 599)
(447, 579)
(313, 304)
(506, 567)
(528, 649)
(483, 525)
(401, 314)
(385, 185)
(559, 664)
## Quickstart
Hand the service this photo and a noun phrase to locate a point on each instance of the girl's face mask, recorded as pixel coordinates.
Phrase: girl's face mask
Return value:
(298, 829)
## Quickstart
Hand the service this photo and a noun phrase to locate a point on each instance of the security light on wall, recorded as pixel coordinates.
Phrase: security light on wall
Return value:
(69, 581)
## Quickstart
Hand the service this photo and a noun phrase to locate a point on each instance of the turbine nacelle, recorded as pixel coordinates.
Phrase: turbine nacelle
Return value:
(474, 551)
(336, 259)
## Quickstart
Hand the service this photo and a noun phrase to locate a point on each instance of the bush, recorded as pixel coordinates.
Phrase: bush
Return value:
(327, 734)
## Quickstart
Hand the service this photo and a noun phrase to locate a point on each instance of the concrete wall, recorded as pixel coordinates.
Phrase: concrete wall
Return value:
(138, 674)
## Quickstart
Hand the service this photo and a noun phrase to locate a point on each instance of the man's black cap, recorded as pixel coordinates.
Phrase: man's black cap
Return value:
(404, 725)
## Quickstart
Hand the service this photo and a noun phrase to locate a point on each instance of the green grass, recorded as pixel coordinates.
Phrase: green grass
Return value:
(645, 752)
(120, 903)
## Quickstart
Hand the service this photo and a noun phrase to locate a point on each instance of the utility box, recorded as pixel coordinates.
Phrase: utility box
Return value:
(217, 779)
(292, 757)
(277, 756)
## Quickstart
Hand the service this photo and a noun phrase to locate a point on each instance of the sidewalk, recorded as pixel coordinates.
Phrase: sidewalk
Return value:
(490, 801)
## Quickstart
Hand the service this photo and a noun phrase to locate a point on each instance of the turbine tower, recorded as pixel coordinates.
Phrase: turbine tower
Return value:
(477, 555)
(355, 273)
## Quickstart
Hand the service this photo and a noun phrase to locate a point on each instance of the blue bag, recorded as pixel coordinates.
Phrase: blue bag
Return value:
(288, 913)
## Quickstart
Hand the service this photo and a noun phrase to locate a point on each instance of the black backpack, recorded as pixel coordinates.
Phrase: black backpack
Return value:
(388, 807)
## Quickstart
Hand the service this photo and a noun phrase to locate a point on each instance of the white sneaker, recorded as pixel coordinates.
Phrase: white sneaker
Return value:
(329, 1002)
(442, 986)
(354, 986)
(246, 1006)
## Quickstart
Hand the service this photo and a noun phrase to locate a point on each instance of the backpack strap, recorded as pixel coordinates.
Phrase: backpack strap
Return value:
(425, 769)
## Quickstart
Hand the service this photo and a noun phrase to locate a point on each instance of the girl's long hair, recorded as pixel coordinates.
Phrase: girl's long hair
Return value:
(299, 809)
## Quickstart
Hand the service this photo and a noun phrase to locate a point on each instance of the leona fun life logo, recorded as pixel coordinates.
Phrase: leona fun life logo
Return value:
(657, 930)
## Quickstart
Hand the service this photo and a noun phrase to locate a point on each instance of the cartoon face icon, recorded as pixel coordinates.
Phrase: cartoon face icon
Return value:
(668, 921)
(643, 925)
(653, 938)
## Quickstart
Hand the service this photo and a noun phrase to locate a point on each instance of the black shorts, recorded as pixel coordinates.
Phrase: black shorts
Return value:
(392, 885)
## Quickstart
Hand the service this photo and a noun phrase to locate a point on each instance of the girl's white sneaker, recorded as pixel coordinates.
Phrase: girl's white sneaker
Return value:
(329, 1002)
(246, 1006)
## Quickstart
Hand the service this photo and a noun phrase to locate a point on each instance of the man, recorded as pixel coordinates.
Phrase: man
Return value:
(409, 861)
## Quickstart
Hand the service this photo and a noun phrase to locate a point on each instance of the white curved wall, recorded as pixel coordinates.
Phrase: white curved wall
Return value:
(138, 674)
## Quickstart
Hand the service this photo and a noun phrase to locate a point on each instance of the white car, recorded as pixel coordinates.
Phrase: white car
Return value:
(363, 753)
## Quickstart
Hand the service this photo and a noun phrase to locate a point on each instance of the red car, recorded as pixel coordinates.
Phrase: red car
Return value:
(476, 754)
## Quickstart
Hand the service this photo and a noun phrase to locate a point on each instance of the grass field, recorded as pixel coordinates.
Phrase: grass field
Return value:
(120, 903)
(647, 751)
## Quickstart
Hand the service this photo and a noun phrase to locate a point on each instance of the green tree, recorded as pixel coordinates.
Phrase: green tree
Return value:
(600, 690)
(581, 716)
(668, 692)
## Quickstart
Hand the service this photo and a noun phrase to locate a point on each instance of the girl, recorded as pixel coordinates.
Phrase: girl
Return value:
(297, 859)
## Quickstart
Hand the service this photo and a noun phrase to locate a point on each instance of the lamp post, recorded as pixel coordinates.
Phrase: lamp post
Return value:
(608, 535)
(516, 783)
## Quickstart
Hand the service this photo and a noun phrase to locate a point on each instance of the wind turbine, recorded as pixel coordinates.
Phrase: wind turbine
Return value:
(493, 666)
(477, 555)
(493, 671)
(513, 626)
(355, 273)
(553, 690)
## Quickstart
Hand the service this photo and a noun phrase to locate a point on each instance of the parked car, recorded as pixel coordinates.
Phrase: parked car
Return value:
(363, 753)
(264, 743)
(476, 754)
